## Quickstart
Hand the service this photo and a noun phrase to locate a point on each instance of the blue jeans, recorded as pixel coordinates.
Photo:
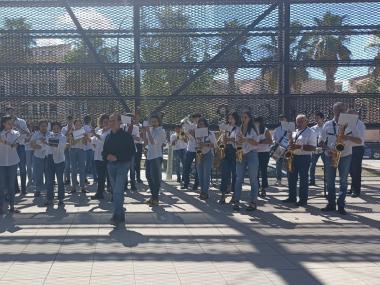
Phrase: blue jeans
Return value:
(301, 164)
(178, 159)
(228, 170)
(189, 158)
(39, 171)
(67, 164)
(29, 165)
(204, 171)
(279, 165)
(90, 164)
(344, 169)
(313, 165)
(250, 161)
(22, 165)
(154, 176)
(78, 164)
(54, 169)
(8, 175)
(263, 168)
(118, 175)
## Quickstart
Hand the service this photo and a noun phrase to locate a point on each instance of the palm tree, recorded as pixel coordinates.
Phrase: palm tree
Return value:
(329, 47)
(375, 70)
(298, 52)
(236, 54)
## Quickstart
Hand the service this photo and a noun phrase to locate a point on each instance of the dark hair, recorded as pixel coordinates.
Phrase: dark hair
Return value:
(69, 118)
(56, 124)
(157, 117)
(261, 122)
(236, 117)
(77, 120)
(4, 119)
(102, 118)
(319, 114)
(204, 120)
(281, 116)
(250, 123)
(196, 115)
(87, 119)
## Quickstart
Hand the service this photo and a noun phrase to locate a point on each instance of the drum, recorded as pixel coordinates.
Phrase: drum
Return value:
(278, 152)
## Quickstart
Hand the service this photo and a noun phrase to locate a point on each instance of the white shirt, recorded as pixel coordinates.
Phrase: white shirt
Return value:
(247, 147)
(191, 143)
(360, 132)
(278, 134)
(8, 154)
(159, 138)
(179, 143)
(65, 130)
(263, 147)
(88, 130)
(329, 134)
(22, 128)
(99, 143)
(210, 139)
(58, 152)
(37, 139)
(304, 137)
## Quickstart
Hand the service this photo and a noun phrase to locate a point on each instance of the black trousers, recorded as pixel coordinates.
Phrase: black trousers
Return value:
(138, 157)
(356, 169)
(101, 170)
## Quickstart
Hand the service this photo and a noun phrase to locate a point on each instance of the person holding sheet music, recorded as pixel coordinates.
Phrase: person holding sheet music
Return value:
(206, 143)
(41, 151)
(303, 144)
(228, 164)
(248, 138)
(317, 129)
(55, 164)
(190, 154)
(9, 160)
(178, 140)
(280, 138)
(357, 158)
(154, 138)
(78, 139)
(330, 131)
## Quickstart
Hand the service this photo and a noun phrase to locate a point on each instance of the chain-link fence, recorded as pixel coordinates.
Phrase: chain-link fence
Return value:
(181, 56)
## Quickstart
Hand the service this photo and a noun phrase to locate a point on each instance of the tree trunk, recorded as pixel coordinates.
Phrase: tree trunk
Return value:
(330, 79)
(231, 81)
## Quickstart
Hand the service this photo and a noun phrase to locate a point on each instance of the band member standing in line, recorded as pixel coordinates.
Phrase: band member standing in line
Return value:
(228, 164)
(280, 137)
(55, 164)
(190, 155)
(155, 139)
(29, 155)
(357, 159)
(317, 129)
(263, 149)
(248, 139)
(139, 147)
(302, 145)
(65, 129)
(178, 140)
(89, 149)
(100, 164)
(118, 151)
(204, 166)
(330, 132)
(135, 132)
(20, 126)
(9, 160)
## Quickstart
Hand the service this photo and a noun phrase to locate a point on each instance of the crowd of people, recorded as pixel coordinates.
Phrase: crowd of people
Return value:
(110, 154)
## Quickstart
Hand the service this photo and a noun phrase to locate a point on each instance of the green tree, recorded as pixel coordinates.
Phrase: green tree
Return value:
(375, 70)
(236, 54)
(329, 47)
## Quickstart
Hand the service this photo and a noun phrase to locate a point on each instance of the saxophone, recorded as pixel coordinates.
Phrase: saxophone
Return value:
(288, 155)
(339, 147)
(221, 146)
(239, 149)
(199, 154)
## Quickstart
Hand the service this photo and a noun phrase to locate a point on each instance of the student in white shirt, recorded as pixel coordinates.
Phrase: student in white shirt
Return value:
(41, 151)
(90, 164)
(65, 129)
(179, 145)
(280, 137)
(357, 159)
(29, 154)
(204, 166)
(135, 132)
(101, 165)
(9, 160)
(263, 149)
(248, 139)
(155, 139)
(304, 144)
(55, 164)
(317, 129)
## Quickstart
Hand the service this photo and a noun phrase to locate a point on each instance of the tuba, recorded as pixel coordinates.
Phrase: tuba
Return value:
(339, 147)
(288, 155)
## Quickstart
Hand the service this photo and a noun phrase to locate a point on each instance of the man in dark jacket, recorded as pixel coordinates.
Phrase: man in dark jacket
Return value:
(118, 151)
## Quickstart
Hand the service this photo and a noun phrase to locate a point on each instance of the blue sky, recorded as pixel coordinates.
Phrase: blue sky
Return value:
(209, 16)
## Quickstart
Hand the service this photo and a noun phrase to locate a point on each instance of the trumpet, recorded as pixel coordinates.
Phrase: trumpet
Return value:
(289, 155)
(339, 147)
(199, 154)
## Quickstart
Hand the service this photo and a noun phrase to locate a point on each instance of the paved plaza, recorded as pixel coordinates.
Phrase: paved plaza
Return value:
(189, 241)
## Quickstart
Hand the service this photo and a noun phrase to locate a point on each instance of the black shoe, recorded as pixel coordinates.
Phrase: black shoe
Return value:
(342, 211)
(139, 180)
(355, 195)
(203, 196)
(133, 187)
(84, 191)
(179, 180)
(86, 181)
(236, 206)
(222, 200)
(329, 208)
(312, 184)
(301, 204)
(12, 210)
(97, 197)
(184, 187)
(23, 193)
(289, 201)
(263, 193)
(349, 192)
(252, 207)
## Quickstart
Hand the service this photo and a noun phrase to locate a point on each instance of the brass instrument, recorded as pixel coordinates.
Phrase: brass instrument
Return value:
(288, 155)
(199, 154)
(239, 148)
(221, 145)
(339, 147)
